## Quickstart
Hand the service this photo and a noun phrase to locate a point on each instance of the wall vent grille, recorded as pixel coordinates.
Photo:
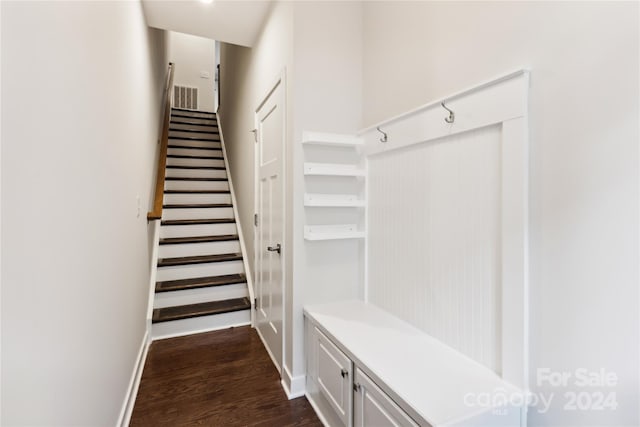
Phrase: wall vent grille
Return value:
(185, 97)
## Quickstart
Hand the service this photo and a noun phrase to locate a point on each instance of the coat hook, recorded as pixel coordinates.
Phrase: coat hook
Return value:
(452, 115)
(384, 135)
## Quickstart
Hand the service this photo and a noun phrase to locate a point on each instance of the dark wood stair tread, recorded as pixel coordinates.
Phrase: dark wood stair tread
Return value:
(198, 259)
(217, 168)
(197, 205)
(189, 178)
(188, 110)
(191, 121)
(200, 309)
(210, 132)
(198, 221)
(199, 282)
(196, 192)
(185, 156)
(189, 147)
(198, 239)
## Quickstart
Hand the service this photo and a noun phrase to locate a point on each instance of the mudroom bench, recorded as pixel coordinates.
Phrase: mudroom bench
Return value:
(366, 367)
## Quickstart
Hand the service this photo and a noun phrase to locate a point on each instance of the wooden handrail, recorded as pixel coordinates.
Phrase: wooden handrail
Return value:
(156, 212)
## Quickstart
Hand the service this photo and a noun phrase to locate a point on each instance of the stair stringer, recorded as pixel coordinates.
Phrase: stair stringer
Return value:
(155, 224)
(243, 248)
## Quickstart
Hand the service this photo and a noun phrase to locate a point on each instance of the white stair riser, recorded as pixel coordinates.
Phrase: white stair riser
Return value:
(194, 249)
(172, 161)
(200, 324)
(194, 152)
(195, 296)
(197, 230)
(196, 185)
(196, 173)
(193, 135)
(193, 113)
(197, 198)
(199, 270)
(179, 126)
(196, 213)
(189, 143)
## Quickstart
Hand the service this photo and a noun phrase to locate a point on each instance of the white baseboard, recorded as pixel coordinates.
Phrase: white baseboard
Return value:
(293, 386)
(134, 383)
(321, 417)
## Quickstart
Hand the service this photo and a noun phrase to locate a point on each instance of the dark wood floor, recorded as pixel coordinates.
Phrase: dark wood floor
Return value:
(222, 378)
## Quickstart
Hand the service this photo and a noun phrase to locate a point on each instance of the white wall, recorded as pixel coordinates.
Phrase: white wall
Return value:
(81, 91)
(193, 55)
(584, 161)
(323, 86)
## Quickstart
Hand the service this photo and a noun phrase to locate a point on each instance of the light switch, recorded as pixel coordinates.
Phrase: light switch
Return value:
(204, 74)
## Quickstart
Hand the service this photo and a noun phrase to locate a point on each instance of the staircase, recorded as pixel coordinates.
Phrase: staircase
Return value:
(201, 283)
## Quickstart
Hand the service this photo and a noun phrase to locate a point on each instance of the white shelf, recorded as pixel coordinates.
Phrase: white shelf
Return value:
(332, 232)
(331, 139)
(332, 169)
(333, 200)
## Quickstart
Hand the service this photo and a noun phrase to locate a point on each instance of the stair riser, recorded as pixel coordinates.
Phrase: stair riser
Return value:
(189, 143)
(200, 324)
(194, 152)
(194, 249)
(191, 114)
(196, 185)
(197, 213)
(199, 270)
(178, 126)
(191, 120)
(195, 296)
(197, 230)
(194, 162)
(187, 198)
(196, 136)
(196, 173)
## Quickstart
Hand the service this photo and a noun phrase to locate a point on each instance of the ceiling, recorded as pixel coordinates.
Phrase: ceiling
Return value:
(232, 21)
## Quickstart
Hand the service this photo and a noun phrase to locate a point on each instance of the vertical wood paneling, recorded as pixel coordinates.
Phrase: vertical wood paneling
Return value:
(434, 231)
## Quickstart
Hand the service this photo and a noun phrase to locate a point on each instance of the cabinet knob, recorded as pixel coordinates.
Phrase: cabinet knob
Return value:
(344, 373)
(356, 387)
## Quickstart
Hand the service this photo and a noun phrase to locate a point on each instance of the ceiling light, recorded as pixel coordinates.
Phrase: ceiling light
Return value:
(206, 1)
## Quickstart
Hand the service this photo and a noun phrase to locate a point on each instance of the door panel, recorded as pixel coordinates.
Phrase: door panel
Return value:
(269, 232)
(334, 377)
(372, 406)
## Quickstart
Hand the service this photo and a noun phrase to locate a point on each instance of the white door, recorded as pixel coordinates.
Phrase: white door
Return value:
(269, 231)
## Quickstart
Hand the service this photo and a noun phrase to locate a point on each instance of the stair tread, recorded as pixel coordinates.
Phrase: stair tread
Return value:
(198, 221)
(185, 156)
(189, 121)
(198, 239)
(199, 282)
(198, 259)
(196, 178)
(219, 168)
(210, 132)
(196, 205)
(188, 110)
(196, 191)
(189, 147)
(200, 309)
(191, 138)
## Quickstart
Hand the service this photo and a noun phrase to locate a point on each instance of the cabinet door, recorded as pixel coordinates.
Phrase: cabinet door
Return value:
(373, 408)
(334, 377)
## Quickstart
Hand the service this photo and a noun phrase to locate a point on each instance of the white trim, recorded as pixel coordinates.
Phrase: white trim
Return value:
(293, 386)
(243, 247)
(152, 274)
(500, 101)
(134, 383)
(321, 417)
(280, 80)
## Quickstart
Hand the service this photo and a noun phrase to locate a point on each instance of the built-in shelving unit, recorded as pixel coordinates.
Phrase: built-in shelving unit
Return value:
(340, 160)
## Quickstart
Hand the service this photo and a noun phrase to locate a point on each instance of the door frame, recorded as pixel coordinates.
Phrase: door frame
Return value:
(280, 80)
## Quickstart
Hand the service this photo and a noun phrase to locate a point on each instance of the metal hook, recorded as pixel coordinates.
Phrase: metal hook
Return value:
(452, 115)
(384, 135)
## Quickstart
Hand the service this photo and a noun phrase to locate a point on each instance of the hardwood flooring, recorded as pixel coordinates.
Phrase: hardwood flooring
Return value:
(221, 378)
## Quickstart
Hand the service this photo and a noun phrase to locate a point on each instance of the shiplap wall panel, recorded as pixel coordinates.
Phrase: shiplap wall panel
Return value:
(434, 222)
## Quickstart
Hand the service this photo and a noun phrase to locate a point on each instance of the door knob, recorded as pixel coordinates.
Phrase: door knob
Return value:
(275, 248)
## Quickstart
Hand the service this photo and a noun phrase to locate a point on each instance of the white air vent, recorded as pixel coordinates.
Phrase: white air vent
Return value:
(185, 97)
